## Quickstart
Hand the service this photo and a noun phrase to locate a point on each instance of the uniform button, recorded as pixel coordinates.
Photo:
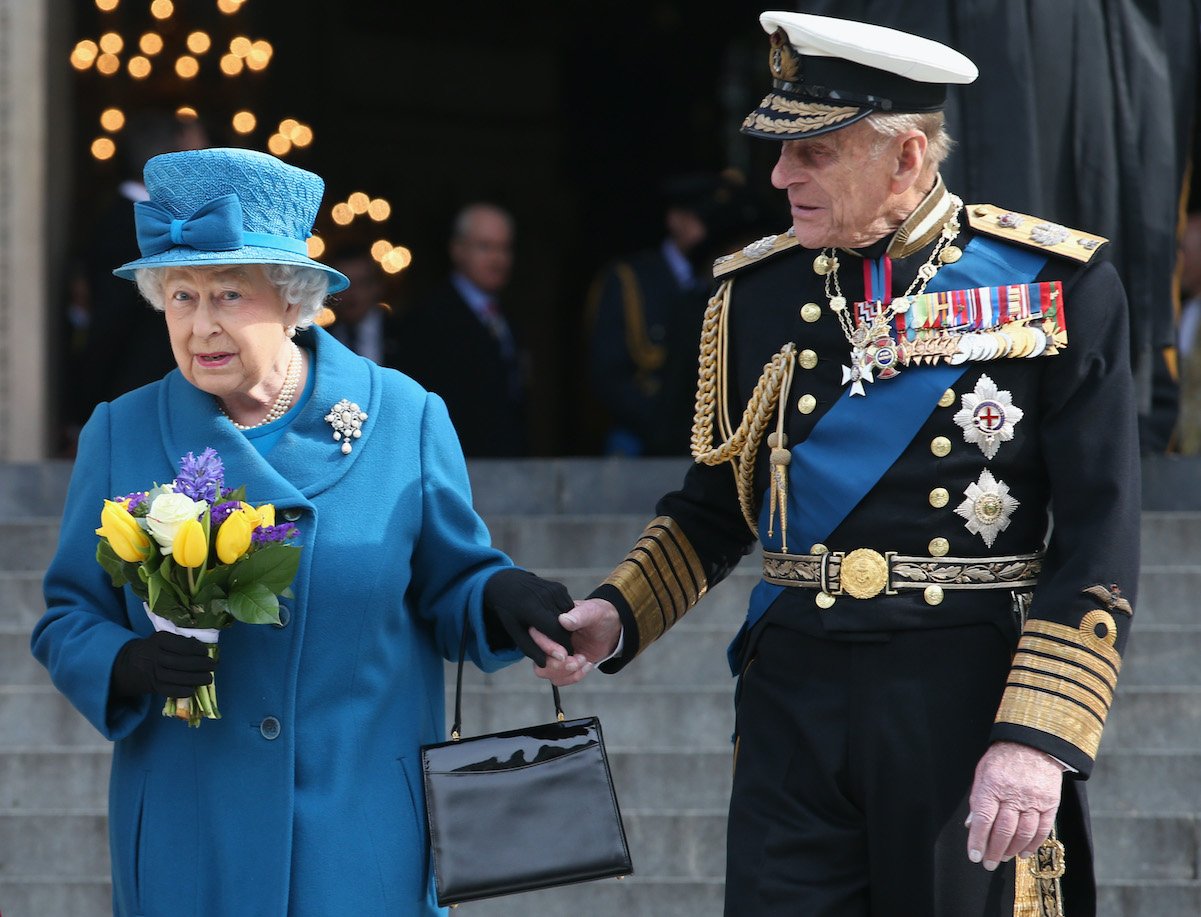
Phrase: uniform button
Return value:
(291, 514)
(980, 210)
(824, 600)
(819, 548)
(940, 446)
(811, 312)
(808, 359)
(285, 616)
(806, 404)
(269, 727)
(939, 547)
(939, 497)
(933, 595)
(947, 399)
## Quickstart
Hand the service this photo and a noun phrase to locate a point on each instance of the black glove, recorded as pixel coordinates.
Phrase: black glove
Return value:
(162, 663)
(520, 600)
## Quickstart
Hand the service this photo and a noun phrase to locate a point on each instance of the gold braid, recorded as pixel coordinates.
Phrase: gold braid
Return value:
(741, 448)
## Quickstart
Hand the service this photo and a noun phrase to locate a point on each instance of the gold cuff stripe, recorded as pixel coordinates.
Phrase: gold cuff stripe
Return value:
(1076, 644)
(631, 581)
(1057, 655)
(688, 560)
(1087, 680)
(1063, 687)
(1048, 712)
(667, 588)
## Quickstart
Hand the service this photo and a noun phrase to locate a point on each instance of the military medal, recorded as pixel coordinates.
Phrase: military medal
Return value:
(987, 508)
(988, 416)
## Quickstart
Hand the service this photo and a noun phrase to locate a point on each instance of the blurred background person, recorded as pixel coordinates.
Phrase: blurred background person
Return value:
(645, 314)
(362, 320)
(457, 342)
(1188, 436)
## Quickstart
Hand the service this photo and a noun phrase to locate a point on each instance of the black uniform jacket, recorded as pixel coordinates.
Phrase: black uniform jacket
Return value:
(1073, 455)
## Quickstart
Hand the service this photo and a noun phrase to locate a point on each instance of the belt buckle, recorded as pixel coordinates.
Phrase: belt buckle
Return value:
(862, 574)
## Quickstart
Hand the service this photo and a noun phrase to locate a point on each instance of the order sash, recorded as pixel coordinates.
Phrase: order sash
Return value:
(826, 479)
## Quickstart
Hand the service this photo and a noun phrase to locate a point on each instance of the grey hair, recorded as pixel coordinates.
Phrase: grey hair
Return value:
(462, 221)
(305, 286)
(931, 123)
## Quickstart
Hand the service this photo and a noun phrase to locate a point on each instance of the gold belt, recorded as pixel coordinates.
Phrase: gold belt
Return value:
(864, 573)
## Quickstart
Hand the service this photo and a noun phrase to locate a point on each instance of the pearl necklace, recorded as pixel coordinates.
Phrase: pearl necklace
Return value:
(283, 401)
(873, 349)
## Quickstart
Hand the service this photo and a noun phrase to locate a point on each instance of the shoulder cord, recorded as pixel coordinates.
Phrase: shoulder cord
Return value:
(741, 446)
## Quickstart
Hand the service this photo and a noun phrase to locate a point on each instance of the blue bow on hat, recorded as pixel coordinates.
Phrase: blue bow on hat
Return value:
(216, 226)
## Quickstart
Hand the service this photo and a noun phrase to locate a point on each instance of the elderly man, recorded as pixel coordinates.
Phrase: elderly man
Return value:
(902, 386)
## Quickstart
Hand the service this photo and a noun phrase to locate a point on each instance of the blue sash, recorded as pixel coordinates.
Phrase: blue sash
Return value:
(826, 479)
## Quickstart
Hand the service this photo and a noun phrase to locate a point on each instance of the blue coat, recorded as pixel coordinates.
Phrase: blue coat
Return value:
(322, 816)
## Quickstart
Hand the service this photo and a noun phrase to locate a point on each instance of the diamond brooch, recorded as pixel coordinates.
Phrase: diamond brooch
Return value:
(346, 418)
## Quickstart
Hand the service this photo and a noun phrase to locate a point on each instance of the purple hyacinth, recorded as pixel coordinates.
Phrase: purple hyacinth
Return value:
(268, 534)
(200, 478)
(221, 512)
(135, 500)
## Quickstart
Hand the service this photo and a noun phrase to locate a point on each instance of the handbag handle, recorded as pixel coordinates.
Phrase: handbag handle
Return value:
(455, 730)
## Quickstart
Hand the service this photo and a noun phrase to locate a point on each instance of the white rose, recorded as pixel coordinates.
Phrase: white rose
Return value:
(167, 513)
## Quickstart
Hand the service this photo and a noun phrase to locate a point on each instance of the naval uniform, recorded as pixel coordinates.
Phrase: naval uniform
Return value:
(923, 606)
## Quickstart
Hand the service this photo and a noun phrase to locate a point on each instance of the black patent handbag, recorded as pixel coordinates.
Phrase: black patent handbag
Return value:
(521, 810)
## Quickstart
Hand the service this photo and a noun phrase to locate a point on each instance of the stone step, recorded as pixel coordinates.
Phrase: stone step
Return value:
(1167, 594)
(21, 601)
(1150, 718)
(28, 544)
(1149, 899)
(37, 894)
(1171, 538)
(47, 777)
(72, 843)
(1136, 781)
(17, 665)
(38, 716)
(1137, 848)
(1162, 654)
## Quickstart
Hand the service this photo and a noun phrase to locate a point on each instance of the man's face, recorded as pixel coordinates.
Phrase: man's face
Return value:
(354, 303)
(484, 252)
(837, 189)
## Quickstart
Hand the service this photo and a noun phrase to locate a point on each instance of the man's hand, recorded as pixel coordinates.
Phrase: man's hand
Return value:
(595, 629)
(1013, 803)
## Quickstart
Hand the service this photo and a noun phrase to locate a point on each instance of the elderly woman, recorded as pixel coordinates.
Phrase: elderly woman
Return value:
(305, 797)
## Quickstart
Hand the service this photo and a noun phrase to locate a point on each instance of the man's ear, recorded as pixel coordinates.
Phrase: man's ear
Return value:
(911, 156)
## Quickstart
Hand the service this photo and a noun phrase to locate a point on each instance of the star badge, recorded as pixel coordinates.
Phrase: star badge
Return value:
(988, 507)
(988, 416)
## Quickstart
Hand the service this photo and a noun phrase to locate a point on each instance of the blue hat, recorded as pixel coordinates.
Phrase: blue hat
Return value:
(227, 206)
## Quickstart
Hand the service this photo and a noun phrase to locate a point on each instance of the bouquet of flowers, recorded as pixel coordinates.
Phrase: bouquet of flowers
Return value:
(200, 558)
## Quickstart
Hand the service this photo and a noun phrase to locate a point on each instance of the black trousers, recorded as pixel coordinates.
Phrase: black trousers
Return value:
(854, 761)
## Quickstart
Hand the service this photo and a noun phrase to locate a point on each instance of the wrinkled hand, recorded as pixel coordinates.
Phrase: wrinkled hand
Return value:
(162, 663)
(1013, 803)
(595, 629)
(526, 604)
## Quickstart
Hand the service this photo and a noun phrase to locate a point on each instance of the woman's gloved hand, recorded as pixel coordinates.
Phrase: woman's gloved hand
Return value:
(519, 600)
(162, 663)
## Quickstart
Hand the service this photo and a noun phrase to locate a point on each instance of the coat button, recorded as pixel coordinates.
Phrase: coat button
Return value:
(285, 616)
(291, 514)
(939, 497)
(811, 312)
(940, 446)
(269, 727)
(806, 404)
(947, 399)
(939, 547)
(824, 600)
(808, 359)
(933, 595)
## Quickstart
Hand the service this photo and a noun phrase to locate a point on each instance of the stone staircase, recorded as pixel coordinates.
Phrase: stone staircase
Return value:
(667, 718)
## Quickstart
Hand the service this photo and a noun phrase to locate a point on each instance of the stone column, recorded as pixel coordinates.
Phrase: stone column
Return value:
(24, 310)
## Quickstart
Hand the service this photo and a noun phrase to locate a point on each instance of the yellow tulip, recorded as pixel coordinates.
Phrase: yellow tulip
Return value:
(124, 534)
(266, 514)
(233, 537)
(190, 548)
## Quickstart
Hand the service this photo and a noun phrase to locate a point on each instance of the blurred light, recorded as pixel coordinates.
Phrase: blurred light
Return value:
(316, 246)
(303, 135)
(255, 61)
(151, 43)
(108, 64)
(397, 260)
(358, 202)
(244, 122)
(325, 317)
(187, 66)
(263, 47)
(379, 210)
(279, 144)
(341, 214)
(107, 6)
(186, 113)
(199, 42)
(380, 248)
(84, 54)
(229, 6)
(112, 119)
(287, 126)
(231, 64)
(162, 9)
(139, 67)
(111, 43)
(240, 46)
(260, 55)
(103, 148)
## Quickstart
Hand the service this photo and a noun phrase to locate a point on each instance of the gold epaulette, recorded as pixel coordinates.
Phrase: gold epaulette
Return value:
(1033, 232)
(753, 253)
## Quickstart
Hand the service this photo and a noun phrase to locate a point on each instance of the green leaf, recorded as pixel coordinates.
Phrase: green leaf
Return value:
(238, 494)
(207, 593)
(113, 565)
(255, 604)
(273, 566)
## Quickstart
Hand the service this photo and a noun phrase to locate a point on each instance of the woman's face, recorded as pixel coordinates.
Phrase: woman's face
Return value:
(227, 325)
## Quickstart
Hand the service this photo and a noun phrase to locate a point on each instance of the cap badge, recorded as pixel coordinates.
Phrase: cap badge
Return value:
(988, 416)
(782, 59)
